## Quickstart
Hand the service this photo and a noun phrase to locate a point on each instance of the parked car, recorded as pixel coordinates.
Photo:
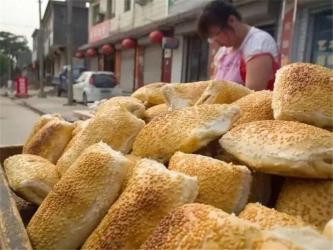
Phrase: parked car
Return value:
(95, 85)
(62, 81)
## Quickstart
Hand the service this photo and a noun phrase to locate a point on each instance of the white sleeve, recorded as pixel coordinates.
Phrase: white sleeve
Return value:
(260, 43)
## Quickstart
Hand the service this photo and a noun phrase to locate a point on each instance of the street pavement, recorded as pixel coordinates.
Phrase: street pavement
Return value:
(50, 105)
(18, 115)
(16, 122)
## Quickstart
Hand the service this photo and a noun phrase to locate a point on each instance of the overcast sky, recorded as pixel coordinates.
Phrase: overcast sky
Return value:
(20, 17)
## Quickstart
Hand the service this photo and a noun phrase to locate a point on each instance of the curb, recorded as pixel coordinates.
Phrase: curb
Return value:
(25, 104)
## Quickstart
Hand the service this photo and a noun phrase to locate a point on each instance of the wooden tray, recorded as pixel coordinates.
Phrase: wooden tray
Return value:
(12, 231)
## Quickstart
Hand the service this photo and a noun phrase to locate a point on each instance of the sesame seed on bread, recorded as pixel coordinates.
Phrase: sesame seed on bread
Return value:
(282, 147)
(187, 130)
(304, 92)
(152, 192)
(223, 185)
(78, 202)
(310, 199)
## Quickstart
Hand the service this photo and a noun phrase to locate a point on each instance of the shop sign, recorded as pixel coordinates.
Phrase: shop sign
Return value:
(99, 31)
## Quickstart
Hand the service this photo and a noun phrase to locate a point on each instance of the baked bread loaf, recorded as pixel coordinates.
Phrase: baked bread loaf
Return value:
(152, 192)
(284, 238)
(132, 104)
(282, 147)
(328, 229)
(304, 92)
(222, 92)
(310, 199)
(50, 141)
(223, 185)
(42, 120)
(130, 168)
(30, 176)
(150, 94)
(199, 226)
(180, 95)
(78, 202)
(267, 218)
(118, 129)
(185, 130)
(156, 110)
(256, 106)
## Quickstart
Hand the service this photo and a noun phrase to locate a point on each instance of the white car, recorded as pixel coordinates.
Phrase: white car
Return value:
(95, 85)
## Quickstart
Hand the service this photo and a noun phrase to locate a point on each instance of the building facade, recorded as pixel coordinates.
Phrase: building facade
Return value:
(156, 40)
(54, 24)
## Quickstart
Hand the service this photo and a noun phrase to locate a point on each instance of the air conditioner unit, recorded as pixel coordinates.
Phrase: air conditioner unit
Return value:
(142, 2)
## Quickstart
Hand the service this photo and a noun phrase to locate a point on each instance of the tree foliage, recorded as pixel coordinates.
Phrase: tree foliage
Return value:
(11, 45)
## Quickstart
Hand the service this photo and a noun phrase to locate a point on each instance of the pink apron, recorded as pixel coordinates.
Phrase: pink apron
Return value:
(228, 67)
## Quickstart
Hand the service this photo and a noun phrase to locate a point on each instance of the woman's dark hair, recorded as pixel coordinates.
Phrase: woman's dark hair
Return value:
(215, 13)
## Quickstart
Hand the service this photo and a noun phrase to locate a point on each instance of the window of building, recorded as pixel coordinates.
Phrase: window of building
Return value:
(321, 51)
(127, 5)
(111, 8)
(96, 15)
(197, 59)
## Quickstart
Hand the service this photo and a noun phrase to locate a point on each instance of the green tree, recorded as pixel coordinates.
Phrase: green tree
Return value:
(11, 46)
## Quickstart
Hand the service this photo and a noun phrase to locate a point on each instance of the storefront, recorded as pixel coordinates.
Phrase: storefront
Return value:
(196, 63)
(127, 58)
(152, 63)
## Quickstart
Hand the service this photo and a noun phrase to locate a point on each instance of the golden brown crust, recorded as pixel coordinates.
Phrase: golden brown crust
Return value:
(328, 229)
(284, 238)
(79, 200)
(130, 168)
(185, 130)
(42, 120)
(310, 199)
(199, 226)
(282, 147)
(222, 92)
(30, 176)
(150, 94)
(255, 107)
(151, 193)
(223, 185)
(118, 129)
(304, 92)
(267, 218)
(50, 141)
(156, 110)
(132, 104)
(180, 95)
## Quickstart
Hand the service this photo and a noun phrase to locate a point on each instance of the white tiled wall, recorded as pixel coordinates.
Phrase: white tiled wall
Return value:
(138, 15)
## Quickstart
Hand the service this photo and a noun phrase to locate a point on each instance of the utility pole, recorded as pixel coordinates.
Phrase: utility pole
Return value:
(40, 52)
(69, 53)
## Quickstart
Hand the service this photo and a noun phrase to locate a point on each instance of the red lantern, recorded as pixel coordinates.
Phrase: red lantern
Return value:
(156, 36)
(128, 43)
(106, 49)
(91, 52)
(79, 54)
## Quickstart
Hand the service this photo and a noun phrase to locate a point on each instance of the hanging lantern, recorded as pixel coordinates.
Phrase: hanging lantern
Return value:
(91, 52)
(156, 36)
(106, 49)
(79, 54)
(128, 43)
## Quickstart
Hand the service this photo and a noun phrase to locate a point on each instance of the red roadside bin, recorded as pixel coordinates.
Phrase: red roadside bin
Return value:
(21, 86)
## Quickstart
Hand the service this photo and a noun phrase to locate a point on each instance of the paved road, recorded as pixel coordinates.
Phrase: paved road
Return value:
(16, 122)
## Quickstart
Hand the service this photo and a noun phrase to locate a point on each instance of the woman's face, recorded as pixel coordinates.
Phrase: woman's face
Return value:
(223, 37)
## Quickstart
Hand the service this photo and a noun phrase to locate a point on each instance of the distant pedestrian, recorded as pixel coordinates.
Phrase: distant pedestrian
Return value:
(247, 55)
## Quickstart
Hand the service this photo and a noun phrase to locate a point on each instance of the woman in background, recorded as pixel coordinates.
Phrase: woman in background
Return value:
(247, 55)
